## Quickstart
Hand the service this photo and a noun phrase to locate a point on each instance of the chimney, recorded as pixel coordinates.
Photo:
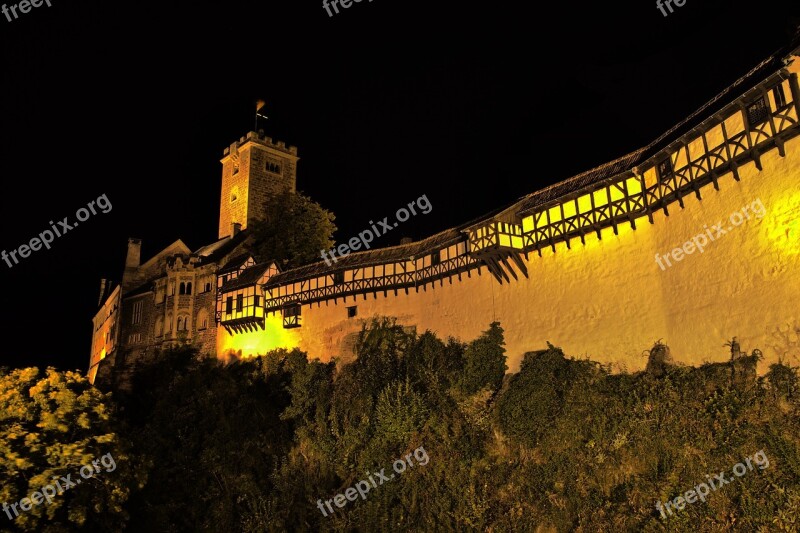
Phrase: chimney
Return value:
(132, 262)
(102, 291)
(133, 258)
(235, 228)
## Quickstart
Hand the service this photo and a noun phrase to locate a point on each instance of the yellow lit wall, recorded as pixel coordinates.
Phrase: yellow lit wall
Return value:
(609, 300)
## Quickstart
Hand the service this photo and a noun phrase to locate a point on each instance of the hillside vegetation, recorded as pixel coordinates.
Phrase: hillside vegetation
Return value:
(562, 445)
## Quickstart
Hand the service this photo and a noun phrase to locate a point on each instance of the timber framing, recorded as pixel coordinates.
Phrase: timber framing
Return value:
(681, 163)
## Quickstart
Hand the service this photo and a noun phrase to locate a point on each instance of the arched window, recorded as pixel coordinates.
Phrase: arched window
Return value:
(168, 328)
(159, 327)
(183, 323)
(180, 324)
(182, 288)
(202, 319)
(189, 288)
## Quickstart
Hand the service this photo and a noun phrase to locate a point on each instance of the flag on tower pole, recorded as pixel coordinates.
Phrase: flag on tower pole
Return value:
(259, 106)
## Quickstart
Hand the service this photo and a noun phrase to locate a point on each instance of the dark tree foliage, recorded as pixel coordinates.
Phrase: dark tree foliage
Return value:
(562, 445)
(294, 231)
(485, 361)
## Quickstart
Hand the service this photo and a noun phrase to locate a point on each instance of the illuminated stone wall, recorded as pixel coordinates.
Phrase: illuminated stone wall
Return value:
(608, 299)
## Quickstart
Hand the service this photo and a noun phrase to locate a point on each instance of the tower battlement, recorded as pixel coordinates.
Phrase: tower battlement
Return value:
(264, 140)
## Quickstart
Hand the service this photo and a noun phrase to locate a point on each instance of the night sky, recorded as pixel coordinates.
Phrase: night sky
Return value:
(471, 104)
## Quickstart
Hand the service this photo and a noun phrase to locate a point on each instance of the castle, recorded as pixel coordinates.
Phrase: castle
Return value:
(580, 263)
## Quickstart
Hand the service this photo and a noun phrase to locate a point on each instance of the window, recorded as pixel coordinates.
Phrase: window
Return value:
(229, 305)
(236, 168)
(182, 288)
(208, 287)
(180, 323)
(202, 320)
(134, 338)
(291, 316)
(189, 288)
(234, 193)
(665, 170)
(239, 302)
(256, 300)
(338, 278)
(757, 112)
(352, 311)
(436, 258)
(273, 167)
(137, 313)
(779, 95)
(159, 327)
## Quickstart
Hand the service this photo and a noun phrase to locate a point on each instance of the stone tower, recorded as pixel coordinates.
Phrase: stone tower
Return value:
(254, 169)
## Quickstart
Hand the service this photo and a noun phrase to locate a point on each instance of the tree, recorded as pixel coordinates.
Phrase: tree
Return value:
(485, 361)
(294, 231)
(50, 427)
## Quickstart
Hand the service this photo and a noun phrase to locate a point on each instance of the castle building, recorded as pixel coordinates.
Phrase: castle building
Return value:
(693, 239)
(175, 296)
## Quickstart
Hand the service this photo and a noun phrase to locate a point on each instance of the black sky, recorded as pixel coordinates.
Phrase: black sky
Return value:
(470, 104)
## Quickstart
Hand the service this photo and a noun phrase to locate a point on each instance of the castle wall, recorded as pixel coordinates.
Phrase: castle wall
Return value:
(609, 299)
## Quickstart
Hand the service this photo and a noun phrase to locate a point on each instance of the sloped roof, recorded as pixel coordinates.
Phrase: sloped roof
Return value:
(217, 251)
(248, 277)
(377, 256)
(235, 263)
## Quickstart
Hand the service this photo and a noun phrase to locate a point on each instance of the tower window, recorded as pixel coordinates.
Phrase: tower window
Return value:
(757, 112)
(273, 167)
(352, 311)
(137, 313)
(235, 168)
